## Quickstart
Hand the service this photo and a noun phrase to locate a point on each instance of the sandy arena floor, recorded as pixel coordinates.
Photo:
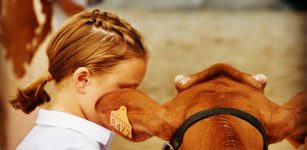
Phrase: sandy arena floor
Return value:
(184, 42)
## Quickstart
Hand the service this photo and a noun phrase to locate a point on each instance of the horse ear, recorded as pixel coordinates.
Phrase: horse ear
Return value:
(289, 121)
(184, 82)
(146, 116)
(298, 106)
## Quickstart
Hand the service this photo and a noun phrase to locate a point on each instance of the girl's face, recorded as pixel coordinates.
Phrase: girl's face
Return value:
(128, 74)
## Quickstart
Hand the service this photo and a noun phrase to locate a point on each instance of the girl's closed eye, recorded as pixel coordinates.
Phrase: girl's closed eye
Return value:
(128, 85)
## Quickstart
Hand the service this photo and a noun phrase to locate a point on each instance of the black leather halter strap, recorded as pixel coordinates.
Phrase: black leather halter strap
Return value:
(178, 136)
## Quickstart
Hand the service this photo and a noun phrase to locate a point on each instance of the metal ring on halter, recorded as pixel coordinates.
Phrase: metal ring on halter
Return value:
(167, 146)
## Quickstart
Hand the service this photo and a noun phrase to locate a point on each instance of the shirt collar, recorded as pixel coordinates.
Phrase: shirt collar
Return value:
(83, 126)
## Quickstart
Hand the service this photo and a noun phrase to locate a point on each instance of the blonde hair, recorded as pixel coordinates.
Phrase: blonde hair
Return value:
(96, 40)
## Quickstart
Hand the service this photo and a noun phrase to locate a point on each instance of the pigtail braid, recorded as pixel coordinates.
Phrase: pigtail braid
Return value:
(33, 95)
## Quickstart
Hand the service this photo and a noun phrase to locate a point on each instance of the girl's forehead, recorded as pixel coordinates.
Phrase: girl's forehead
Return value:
(131, 70)
(131, 65)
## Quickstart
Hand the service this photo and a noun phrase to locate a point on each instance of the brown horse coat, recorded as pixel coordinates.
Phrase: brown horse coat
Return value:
(221, 85)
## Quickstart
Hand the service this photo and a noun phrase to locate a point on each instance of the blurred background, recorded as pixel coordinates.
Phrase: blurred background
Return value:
(185, 36)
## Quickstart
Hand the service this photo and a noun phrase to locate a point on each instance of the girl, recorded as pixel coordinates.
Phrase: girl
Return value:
(92, 54)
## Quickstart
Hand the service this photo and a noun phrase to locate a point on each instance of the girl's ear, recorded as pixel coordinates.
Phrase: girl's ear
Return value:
(81, 78)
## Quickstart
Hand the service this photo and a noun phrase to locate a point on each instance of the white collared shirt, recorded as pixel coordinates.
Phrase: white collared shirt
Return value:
(56, 130)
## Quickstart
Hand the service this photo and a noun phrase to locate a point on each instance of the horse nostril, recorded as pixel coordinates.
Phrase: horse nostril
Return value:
(181, 79)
